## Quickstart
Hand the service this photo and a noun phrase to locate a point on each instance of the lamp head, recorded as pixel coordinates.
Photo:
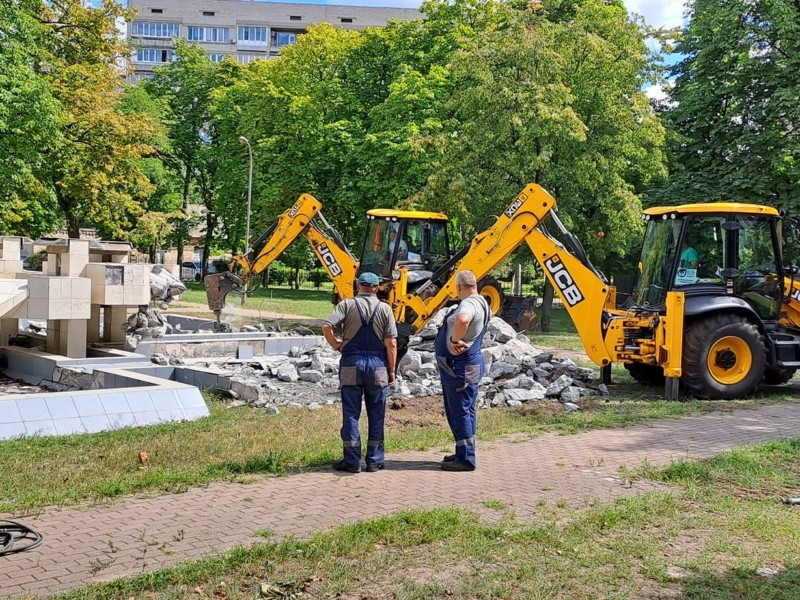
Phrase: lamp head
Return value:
(243, 140)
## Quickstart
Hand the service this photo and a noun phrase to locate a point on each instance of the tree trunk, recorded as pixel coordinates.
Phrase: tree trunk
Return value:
(210, 225)
(547, 305)
(187, 179)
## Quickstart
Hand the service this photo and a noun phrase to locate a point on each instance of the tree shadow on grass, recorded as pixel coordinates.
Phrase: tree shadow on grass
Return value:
(744, 584)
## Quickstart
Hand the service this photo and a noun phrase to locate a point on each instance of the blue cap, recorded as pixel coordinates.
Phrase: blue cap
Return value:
(369, 279)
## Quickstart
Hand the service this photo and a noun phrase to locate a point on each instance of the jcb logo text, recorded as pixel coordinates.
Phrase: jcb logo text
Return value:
(294, 210)
(563, 280)
(329, 259)
(513, 207)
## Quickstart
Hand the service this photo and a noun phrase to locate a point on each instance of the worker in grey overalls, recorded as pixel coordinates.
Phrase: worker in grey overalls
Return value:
(366, 368)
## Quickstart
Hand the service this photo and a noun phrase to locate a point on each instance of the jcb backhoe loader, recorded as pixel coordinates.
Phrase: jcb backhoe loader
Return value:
(403, 247)
(718, 320)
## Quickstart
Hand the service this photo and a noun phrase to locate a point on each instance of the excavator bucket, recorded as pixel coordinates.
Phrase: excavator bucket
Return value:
(518, 312)
(218, 285)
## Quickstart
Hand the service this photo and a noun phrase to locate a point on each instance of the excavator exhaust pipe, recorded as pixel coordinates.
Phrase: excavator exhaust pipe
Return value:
(218, 286)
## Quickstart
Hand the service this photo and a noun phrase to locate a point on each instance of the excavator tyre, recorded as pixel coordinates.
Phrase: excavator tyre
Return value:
(218, 285)
(518, 312)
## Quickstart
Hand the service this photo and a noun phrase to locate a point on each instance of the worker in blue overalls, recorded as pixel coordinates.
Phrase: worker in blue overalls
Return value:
(461, 367)
(369, 354)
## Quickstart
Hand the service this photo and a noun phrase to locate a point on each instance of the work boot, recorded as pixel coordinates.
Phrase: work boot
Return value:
(449, 458)
(347, 467)
(457, 465)
(375, 467)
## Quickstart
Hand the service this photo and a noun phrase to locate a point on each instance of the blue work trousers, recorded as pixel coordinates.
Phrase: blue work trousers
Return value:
(459, 406)
(375, 402)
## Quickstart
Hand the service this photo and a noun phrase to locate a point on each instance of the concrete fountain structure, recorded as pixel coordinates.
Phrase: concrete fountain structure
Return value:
(85, 293)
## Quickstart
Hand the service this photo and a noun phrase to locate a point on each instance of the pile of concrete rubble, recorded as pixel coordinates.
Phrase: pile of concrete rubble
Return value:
(517, 373)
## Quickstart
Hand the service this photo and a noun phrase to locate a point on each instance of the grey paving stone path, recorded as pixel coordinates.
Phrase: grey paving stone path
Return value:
(138, 534)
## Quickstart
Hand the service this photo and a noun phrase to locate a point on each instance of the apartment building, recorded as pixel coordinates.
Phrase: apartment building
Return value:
(245, 30)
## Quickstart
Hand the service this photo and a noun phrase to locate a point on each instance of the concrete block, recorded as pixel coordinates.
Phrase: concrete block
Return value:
(195, 413)
(69, 426)
(40, 428)
(12, 248)
(114, 295)
(168, 415)
(80, 310)
(81, 288)
(115, 403)
(38, 288)
(147, 418)
(118, 420)
(192, 398)
(10, 431)
(89, 405)
(33, 409)
(139, 402)
(98, 294)
(61, 407)
(96, 423)
(165, 400)
(10, 267)
(79, 248)
(135, 295)
(9, 413)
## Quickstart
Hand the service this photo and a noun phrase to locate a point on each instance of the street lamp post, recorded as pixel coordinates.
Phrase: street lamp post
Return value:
(245, 142)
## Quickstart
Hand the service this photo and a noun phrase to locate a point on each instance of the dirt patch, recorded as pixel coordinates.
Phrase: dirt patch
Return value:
(419, 411)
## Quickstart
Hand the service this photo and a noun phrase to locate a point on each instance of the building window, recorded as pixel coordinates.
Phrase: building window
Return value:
(246, 59)
(346, 20)
(154, 55)
(155, 30)
(156, 11)
(283, 38)
(216, 57)
(208, 34)
(208, 13)
(253, 35)
(295, 18)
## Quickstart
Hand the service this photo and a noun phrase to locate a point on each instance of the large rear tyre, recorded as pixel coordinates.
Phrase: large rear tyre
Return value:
(492, 290)
(646, 374)
(724, 357)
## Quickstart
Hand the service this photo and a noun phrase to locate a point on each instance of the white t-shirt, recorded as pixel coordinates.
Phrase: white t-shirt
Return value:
(477, 308)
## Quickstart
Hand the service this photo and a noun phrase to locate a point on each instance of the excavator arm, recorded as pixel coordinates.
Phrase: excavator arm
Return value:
(299, 220)
(586, 295)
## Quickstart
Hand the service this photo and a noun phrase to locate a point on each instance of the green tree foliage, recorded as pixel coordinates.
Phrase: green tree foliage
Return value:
(184, 88)
(80, 150)
(555, 101)
(456, 112)
(29, 118)
(735, 105)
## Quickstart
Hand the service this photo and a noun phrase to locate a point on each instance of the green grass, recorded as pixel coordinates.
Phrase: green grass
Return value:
(698, 541)
(236, 444)
(310, 303)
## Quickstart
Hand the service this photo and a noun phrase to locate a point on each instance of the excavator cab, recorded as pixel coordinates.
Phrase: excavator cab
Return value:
(713, 250)
(411, 241)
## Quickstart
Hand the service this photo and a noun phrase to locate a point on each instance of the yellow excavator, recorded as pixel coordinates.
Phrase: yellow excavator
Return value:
(405, 249)
(714, 309)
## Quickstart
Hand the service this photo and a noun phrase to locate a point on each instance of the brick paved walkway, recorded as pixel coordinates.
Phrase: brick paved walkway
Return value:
(138, 534)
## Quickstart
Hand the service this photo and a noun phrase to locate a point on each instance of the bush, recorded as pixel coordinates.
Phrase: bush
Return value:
(317, 276)
(35, 261)
(279, 274)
